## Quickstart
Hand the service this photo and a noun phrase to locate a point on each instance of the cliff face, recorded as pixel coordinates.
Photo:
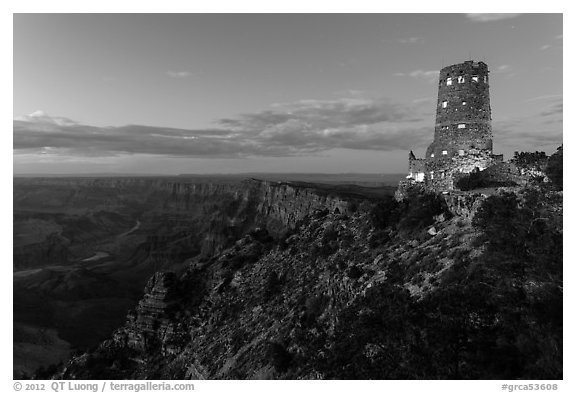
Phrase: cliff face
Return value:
(290, 280)
(206, 218)
(282, 205)
(74, 239)
(276, 206)
(346, 290)
(200, 217)
(464, 204)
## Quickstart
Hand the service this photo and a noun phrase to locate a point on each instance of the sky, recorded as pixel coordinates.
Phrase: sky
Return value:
(233, 93)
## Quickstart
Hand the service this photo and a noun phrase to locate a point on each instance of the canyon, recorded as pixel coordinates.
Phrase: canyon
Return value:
(84, 248)
(171, 278)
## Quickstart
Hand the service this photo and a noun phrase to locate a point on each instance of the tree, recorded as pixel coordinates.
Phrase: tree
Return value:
(554, 169)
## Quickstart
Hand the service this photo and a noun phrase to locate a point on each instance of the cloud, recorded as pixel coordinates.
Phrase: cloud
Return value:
(42, 117)
(179, 74)
(424, 100)
(544, 47)
(132, 139)
(522, 135)
(554, 107)
(546, 97)
(544, 128)
(429, 76)
(505, 70)
(320, 114)
(502, 68)
(293, 129)
(490, 17)
(348, 93)
(411, 40)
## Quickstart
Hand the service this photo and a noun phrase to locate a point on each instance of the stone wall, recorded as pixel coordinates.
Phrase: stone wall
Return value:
(443, 174)
(404, 186)
(503, 172)
(416, 168)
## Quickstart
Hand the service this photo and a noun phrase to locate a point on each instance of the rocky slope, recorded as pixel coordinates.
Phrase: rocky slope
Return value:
(85, 247)
(338, 285)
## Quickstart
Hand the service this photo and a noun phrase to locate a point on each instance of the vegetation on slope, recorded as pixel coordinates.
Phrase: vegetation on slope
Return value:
(375, 294)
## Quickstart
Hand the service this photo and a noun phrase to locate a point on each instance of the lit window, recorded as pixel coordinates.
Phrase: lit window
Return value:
(461, 125)
(444, 104)
(444, 152)
(485, 79)
(475, 78)
(432, 155)
(460, 152)
(448, 81)
(463, 102)
(461, 79)
(431, 175)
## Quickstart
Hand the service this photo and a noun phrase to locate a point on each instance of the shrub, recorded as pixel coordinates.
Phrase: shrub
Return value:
(379, 238)
(477, 179)
(354, 272)
(470, 182)
(261, 235)
(503, 222)
(529, 160)
(420, 211)
(278, 356)
(554, 168)
(238, 339)
(314, 306)
(353, 207)
(272, 285)
(329, 235)
(385, 213)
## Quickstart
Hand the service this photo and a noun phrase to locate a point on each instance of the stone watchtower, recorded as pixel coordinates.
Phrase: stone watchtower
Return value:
(463, 131)
(463, 119)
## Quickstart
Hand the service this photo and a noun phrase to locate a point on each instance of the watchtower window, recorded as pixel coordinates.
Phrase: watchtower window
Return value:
(448, 81)
(444, 104)
(461, 79)
(475, 78)
(444, 152)
(461, 125)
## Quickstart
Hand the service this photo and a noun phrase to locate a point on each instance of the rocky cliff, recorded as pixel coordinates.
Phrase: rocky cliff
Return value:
(344, 287)
(75, 238)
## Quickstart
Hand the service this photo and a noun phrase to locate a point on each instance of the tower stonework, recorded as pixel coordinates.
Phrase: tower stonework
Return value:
(463, 130)
(463, 118)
